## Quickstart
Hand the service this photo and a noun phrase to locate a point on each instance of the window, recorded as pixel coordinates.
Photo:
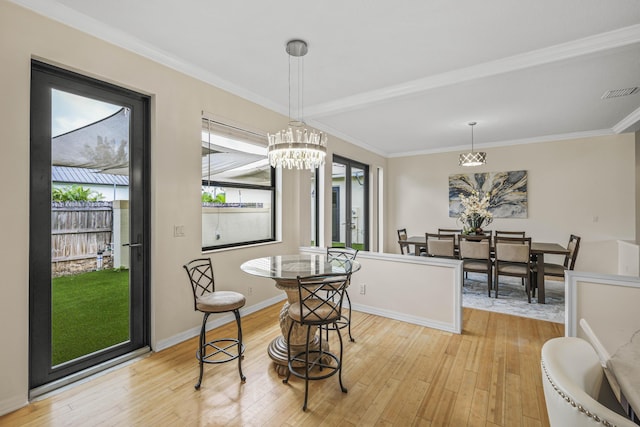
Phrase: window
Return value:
(238, 187)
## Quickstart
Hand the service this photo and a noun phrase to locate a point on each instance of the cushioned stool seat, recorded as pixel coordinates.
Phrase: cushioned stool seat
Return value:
(209, 301)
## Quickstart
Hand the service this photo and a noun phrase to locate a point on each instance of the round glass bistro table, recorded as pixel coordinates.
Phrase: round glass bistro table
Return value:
(284, 270)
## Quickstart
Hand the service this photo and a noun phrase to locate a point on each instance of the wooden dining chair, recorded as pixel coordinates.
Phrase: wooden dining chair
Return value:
(558, 270)
(475, 252)
(449, 230)
(503, 233)
(440, 245)
(513, 258)
(455, 231)
(405, 248)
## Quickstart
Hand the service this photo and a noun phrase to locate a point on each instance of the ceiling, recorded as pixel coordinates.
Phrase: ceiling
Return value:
(399, 77)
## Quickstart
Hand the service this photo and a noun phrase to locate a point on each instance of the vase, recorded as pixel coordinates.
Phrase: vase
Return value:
(474, 223)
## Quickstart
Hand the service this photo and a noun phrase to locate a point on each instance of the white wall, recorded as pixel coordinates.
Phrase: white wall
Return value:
(420, 290)
(584, 187)
(176, 106)
(609, 304)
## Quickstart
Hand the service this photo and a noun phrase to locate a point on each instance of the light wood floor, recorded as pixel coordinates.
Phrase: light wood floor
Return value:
(397, 374)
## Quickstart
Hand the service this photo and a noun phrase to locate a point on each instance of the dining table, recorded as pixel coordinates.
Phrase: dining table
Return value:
(284, 270)
(538, 251)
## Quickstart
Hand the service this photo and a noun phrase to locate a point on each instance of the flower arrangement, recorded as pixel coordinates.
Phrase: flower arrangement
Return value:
(476, 212)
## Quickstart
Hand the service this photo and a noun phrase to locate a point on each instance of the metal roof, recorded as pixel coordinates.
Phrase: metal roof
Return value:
(86, 176)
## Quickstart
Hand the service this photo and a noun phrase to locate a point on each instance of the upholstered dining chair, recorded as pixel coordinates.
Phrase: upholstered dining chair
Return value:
(455, 231)
(319, 304)
(449, 231)
(350, 255)
(440, 245)
(208, 300)
(513, 258)
(503, 233)
(576, 391)
(558, 270)
(475, 252)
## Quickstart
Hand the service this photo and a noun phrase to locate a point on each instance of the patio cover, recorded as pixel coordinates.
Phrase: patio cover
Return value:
(104, 146)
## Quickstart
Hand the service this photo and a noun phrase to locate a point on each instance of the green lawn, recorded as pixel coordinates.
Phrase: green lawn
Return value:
(90, 311)
(358, 246)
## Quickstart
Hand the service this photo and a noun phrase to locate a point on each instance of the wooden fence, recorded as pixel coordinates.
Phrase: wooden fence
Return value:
(80, 231)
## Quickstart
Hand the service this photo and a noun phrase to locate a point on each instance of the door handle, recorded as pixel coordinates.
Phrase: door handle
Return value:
(133, 245)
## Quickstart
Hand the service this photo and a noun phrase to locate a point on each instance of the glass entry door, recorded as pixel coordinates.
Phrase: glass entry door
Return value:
(349, 204)
(89, 223)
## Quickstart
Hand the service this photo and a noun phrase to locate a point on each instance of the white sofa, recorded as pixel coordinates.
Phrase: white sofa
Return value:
(575, 385)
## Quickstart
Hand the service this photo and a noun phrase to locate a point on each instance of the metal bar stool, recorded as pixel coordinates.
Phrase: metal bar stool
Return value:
(209, 301)
(320, 303)
(348, 254)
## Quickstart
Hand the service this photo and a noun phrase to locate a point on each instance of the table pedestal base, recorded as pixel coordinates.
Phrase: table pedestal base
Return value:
(278, 347)
(278, 353)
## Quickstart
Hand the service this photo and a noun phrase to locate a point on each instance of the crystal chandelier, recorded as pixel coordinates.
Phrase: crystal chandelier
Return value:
(473, 158)
(297, 147)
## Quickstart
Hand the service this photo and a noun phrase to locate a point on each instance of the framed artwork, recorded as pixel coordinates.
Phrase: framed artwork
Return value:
(507, 192)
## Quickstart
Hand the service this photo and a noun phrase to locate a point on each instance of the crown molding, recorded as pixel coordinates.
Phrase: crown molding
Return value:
(495, 144)
(86, 24)
(588, 45)
(347, 138)
(631, 123)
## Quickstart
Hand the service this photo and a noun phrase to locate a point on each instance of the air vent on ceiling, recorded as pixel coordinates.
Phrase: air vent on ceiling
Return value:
(619, 92)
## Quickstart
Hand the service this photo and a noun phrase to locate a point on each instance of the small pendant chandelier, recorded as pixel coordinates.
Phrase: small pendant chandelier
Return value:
(297, 147)
(473, 158)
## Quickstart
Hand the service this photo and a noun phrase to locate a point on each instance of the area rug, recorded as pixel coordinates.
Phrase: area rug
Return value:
(513, 299)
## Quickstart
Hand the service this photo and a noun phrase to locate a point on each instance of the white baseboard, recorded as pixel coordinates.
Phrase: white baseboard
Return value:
(422, 321)
(12, 404)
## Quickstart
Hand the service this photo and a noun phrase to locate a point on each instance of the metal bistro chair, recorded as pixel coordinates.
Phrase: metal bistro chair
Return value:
(513, 258)
(208, 301)
(320, 304)
(342, 254)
